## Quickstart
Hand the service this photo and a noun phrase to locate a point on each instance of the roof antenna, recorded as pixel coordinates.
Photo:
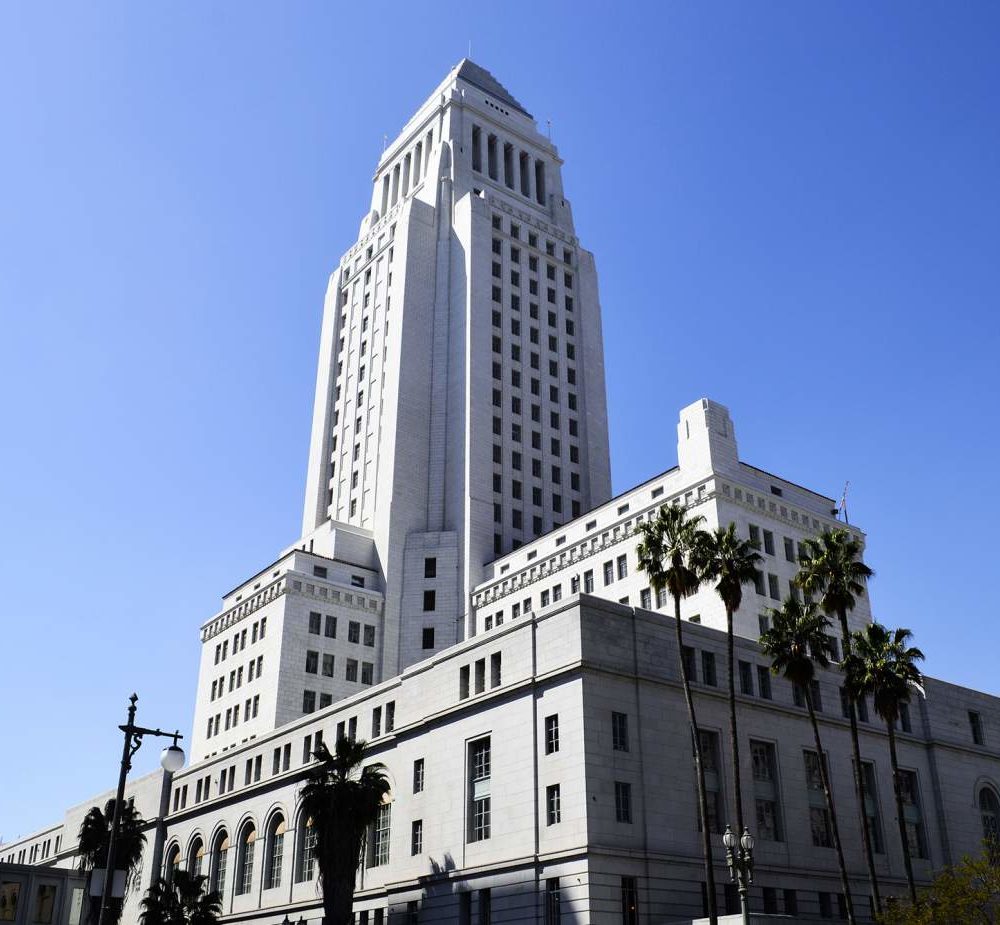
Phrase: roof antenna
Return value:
(842, 507)
(549, 123)
(469, 56)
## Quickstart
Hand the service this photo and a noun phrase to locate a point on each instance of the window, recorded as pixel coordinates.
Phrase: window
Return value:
(989, 812)
(312, 662)
(912, 813)
(588, 582)
(351, 670)
(791, 902)
(479, 789)
(769, 542)
(353, 631)
(480, 667)
(427, 638)
(622, 567)
(244, 877)
(553, 812)
(495, 669)
(623, 801)
(418, 775)
(219, 858)
(619, 732)
(553, 901)
(773, 587)
(765, 785)
(367, 673)
(314, 619)
(379, 851)
(551, 734)
(376, 722)
(416, 837)
(645, 599)
(463, 682)
(688, 656)
(819, 816)
(330, 627)
(976, 727)
(630, 901)
(746, 678)
(327, 665)
(711, 763)
(825, 908)
(708, 669)
(871, 806)
(609, 572)
(430, 567)
(904, 718)
(308, 701)
(429, 599)
(789, 550)
(369, 635)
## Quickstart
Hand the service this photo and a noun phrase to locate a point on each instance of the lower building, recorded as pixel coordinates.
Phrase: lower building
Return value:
(543, 772)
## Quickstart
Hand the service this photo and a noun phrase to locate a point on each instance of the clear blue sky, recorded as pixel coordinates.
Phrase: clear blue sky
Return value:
(795, 210)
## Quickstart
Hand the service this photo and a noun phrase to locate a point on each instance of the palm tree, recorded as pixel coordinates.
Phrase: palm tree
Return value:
(343, 800)
(885, 666)
(667, 553)
(730, 562)
(831, 567)
(95, 838)
(181, 901)
(796, 643)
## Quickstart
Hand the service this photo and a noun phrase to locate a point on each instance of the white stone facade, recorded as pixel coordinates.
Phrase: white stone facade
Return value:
(463, 576)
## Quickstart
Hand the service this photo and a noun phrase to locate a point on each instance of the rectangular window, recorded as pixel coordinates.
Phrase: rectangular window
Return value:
(353, 631)
(553, 902)
(306, 750)
(746, 678)
(327, 665)
(427, 638)
(479, 790)
(619, 732)
(622, 567)
(819, 816)
(430, 601)
(976, 727)
(765, 785)
(623, 801)
(376, 722)
(495, 669)
(912, 814)
(825, 907)
(773, 587)
(417, 837)
(312, 662)
(645, 599)
(430, 567)
(351, 670)
(630, 901)
(367, 673)
(553, 810)
(330, 628)
(418, 775)
(609, 572)
(308, 701)
(769, 542)
(588, 582)
(314, 620)
(369, 635)
(871, 806)
(711, 762)
(380, 836)
(789, 550)
(708, 669)
(463, 682)
(480, 666)
(551, 734)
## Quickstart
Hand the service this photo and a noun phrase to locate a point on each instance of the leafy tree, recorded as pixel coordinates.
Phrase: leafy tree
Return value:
(181, 900)
(668, 553)
(94, 841)
(731, 563)
(965, 894)
(831, 567)
(884, 665)
(796, 643)
(343, 800)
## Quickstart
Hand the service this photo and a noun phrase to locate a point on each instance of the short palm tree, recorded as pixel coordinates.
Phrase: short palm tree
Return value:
(884, 665)
(796, 643)
(831, 567)
(731, 562)
(181, 901)
(668, 553)
(343, 799)
(95, 839)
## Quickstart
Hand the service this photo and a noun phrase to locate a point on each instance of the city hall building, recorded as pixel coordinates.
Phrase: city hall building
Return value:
(465, 596)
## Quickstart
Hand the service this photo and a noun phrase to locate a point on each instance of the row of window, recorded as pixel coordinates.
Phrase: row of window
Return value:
(232, 716)
(520, 169)
(327, 626)
(350, 673)
(476, 673)
(257, 631)
(254, 669)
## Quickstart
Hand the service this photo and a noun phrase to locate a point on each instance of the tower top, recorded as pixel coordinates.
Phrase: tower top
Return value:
(472, 73)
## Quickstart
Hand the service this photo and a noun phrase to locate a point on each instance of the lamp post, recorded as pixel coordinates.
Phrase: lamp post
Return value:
(739, 857)
(171, 759)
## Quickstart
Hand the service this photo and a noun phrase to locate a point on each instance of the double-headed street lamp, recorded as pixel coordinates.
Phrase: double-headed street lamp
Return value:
(171, 759)
(739, 857)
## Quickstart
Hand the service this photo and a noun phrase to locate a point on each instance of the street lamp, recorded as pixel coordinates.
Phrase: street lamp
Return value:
(740, 860)
(171, 759)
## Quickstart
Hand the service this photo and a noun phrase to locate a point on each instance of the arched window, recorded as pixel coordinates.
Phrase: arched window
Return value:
(196, 858)
(989, 809)
(219, 855)
(274, 852)
(307, 851)
(244, 869)
(172, 863)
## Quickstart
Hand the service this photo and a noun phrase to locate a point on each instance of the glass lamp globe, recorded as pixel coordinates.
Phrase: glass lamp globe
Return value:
(172, 758)
(747, 841)
(728, 839)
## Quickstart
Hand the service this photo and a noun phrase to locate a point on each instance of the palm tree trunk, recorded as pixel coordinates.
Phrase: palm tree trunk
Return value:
(734, 742)
(859, 778)
(828, 793)
(338, 890)
(706, 837)
(900, 818)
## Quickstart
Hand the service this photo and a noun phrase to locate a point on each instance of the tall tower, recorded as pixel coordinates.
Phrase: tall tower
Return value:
(460, 401)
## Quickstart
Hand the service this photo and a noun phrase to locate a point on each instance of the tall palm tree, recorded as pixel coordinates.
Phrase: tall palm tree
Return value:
(182, 900)
(95, 838)
(796, 643)
(343, 800)
(831, 567)
(730, 562)
(667, 553)
(884, 665)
